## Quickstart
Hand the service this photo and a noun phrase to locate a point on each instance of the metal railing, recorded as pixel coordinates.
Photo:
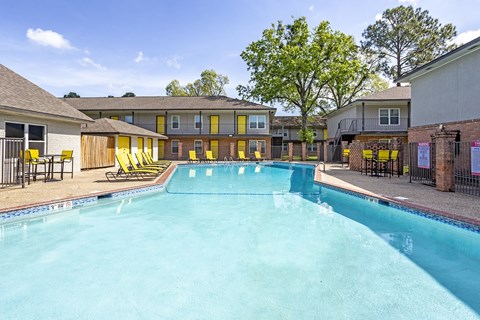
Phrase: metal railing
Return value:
(359, 125)
(12, 164)
(421, 172)
(465, 180)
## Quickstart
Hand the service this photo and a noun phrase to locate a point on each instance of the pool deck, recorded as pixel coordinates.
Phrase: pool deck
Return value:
(395, 189)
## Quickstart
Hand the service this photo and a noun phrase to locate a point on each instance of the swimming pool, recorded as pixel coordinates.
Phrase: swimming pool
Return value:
(238, 242)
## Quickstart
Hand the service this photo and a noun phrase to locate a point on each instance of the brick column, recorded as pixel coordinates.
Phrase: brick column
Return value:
(444, 160)
(319, 145)
(180, 146)
(290, 151)
(325, 151)
(232, 150)
(304, 151)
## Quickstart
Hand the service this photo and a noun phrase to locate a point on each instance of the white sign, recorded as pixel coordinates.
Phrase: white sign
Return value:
(423, 155)
(475, 158)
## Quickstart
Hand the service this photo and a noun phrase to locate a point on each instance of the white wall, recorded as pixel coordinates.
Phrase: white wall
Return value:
(450, 93)
(334, 120)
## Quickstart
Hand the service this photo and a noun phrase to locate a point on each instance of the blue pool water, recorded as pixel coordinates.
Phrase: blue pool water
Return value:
(238, 242)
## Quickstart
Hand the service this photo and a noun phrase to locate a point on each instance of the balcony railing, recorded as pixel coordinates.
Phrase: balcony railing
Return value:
(359, 125)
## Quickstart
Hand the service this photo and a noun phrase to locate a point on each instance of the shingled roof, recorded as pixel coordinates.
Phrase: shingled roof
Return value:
(19, 95)
(110, 126)
(391, 94)
(163, 103)
(296, 122)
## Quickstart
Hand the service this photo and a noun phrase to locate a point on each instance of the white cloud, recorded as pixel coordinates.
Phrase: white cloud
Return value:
(466, 36)
(89, 62)
(174, 62)
(48, 38)
(378, 17)
(412, 2)
(311, 8)
(139, 58)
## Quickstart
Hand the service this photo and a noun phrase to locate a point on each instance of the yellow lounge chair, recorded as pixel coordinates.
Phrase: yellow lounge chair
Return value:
(192, 156)
(241, 156)
(125, 173)
(148, 160)
(209, 156)
(142, 166)
(258, 156)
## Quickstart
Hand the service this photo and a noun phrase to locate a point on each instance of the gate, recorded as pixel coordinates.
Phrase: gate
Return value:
(12, 165)
(422, 173)
(465, 180)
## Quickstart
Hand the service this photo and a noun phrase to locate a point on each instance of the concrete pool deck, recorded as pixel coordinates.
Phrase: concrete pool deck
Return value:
(396, 189)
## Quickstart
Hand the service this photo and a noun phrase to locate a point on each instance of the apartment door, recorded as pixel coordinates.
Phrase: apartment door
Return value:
(161, 124)
(241, 124)
(140, 144)
(150, 146)
(242, 146)
(161, 149)
(214, 148)
(213, 124)
(123, 145)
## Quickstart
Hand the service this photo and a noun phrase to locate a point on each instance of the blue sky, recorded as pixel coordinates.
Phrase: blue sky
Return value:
(100, 48)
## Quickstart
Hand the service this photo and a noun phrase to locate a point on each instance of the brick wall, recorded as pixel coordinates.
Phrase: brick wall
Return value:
(469, 131)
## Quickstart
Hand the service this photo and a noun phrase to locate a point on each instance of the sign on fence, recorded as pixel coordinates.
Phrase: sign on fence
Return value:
(423, 155)
(475, 158)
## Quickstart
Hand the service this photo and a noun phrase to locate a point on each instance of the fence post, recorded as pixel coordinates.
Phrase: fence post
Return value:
(232, 150)
(290, 151)
(304, 151)
(444, 160)
(180, 147)
(319, 145)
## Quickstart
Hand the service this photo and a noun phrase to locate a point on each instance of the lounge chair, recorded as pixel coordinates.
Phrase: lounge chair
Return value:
(258, 156)
(143, 166)
(147, 159)
(192, 156)
(241, 156)
(209, 156)
(124, 173)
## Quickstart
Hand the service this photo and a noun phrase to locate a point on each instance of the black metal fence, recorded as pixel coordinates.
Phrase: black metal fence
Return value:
(422, 163)
(466, 181)
(12, 164)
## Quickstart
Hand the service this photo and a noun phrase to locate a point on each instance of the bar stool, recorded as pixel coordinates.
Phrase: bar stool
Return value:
(367, 158)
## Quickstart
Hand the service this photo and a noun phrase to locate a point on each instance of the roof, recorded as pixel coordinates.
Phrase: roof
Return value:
(448, 57)
(19, 95)
(163, 103)
(296, 121)
(391, 94)
(110, 126)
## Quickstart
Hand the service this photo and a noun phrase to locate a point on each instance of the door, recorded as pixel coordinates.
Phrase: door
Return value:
(161, 149)
(123, 145)
(214, 148)
(161, 124)
(140, 144)
(241, 124)
(150, 146)
(214, 125)
(242, 146)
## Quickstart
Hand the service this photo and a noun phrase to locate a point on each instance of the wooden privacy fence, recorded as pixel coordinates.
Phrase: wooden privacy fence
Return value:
(97, 152)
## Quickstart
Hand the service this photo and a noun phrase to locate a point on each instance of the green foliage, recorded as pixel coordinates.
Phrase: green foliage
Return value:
(306, 135)
(292, 65)
(405, 38)
(71, 95)
(128, 95)
(209, 84)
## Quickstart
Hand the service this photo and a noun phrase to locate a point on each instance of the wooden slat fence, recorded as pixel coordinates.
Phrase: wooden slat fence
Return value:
(97, 152)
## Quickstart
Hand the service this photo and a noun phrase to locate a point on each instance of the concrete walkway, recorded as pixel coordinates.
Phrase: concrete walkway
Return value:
(400, 190)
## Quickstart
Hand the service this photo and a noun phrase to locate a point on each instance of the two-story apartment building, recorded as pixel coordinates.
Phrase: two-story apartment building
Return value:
(221, 124)
(285, 129)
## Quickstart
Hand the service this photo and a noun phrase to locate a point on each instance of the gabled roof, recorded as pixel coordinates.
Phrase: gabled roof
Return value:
(393, 94)
(163, 103)
(110, 126)
(448, 57)
(18, 95)
(296, 122)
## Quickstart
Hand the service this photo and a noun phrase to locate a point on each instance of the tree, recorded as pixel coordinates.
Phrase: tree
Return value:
(128, 95)
(209, 84)
(292, 66)
(71, 95)
(405, 38)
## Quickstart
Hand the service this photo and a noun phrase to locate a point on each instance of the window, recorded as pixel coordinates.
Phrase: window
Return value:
(389, 116)
(198, 145)
(175, 122)
(312, 147)
(284, 146)
(34, 135)
(175, 146)
(129, 119)
(198, 121)
(254, 145)
(257, 121)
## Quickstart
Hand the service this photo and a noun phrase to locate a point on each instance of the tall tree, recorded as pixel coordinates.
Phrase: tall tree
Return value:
(405, 38)
(209, 84)
(292, 65)
(71, 95)
(128, 95)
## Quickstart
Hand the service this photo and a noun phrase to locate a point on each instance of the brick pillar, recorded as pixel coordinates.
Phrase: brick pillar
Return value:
(319, 145)
(180, 146)
(290, 151)
(304, 151)
(444, 160)
(232, 150)
(325, 151)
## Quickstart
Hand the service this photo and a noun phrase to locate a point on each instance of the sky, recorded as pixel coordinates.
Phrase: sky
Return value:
(98, 48)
